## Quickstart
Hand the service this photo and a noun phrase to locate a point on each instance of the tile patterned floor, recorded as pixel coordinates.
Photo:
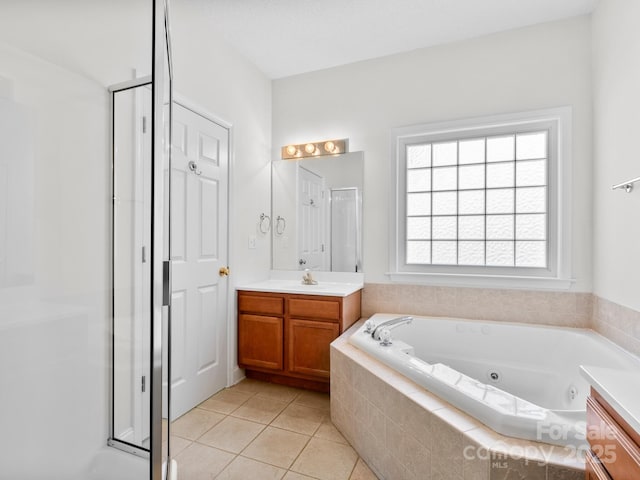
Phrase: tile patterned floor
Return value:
(257, 430)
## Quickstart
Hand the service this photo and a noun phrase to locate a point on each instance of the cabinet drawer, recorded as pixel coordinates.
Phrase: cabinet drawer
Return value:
(261, 304)
(260, 341)
(318, 309)
(618, 453)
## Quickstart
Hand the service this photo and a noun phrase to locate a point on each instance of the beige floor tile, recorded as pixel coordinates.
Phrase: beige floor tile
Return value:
(248, 385)
(326, 460)
(276, 447)
(279, 392)
(362, 472)
(260, 409)
(296, 476)
(232, 434)
(178, 444)
(199, 462)
(225, 401)
(328, 431)
(299, 418)
(314, 399)
(194, 423)
(246, 469)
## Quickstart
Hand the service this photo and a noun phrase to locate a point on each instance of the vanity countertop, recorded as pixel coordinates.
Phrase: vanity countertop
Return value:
(620, 388)
(332, 289)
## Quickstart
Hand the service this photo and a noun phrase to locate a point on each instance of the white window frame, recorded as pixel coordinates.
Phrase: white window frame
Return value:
(557, 276)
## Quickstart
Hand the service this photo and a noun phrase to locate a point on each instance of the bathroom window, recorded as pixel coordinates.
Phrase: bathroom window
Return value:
(481, 200)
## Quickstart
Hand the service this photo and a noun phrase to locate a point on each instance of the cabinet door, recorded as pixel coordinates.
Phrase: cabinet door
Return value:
(308, 346)
(594, 469)
(260, 341)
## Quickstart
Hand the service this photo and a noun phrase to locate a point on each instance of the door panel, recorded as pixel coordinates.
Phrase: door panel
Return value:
(311, 229)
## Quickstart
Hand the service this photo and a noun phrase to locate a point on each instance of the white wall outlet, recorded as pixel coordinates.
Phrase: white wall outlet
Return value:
(252, 241)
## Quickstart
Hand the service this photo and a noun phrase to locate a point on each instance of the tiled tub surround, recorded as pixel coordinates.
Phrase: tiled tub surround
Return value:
(404, 432)
(617, 323)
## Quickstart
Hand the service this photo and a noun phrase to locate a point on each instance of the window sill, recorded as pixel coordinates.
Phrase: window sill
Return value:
(481, 281)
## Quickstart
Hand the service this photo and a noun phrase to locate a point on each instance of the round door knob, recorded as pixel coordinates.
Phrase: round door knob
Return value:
(224, 271)
(302, 261)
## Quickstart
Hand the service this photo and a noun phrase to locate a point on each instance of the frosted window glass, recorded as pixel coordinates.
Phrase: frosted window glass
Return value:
(531, 145)
(531, 200)
(445, 178)
(500, 175)
(419, 228)
(471, 253)
(500, 201)
(419, 180)
(471, 151)
(444, 253)
(500, 149)
(471, 177)
(418, 156)
(445, 203)
(531, 254)
(444, 228)
(471, 228)
(418, 252)
(418, 204)
(499, 227)
(531, 173)
(471, 202)
(445, 154)
(500, 254)
(531, 227)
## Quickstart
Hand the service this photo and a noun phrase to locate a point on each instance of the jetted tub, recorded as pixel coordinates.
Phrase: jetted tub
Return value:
(520, 380)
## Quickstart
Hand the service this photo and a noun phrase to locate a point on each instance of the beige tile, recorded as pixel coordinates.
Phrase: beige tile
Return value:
(296, 476)
(232, 434)
(314, 400)
(276, 447)
(194, 423)
(326, 460)
(260, 409)
(248, 385)
(225, 401)
(245, 468)
(199, 462)
(328, 431)
(278, 392)
(178, 444)
(362, 472)
(299, 418)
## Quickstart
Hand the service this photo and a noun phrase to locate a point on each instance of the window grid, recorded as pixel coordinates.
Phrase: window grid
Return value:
(516, 243)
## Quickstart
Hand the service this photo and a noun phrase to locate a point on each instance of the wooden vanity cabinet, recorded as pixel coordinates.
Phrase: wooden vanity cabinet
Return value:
(284, 338)
(615, 446)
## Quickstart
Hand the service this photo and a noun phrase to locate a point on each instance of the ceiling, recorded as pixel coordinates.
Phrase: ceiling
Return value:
(289, 37)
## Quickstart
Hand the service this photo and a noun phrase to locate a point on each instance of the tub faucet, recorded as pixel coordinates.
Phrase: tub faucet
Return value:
(389, 324)
(307, 278)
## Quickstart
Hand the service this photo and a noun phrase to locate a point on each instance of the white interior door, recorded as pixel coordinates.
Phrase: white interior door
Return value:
(311, 231)
(199, 223)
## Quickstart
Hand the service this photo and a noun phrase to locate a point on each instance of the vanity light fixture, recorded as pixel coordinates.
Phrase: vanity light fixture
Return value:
(315, 149)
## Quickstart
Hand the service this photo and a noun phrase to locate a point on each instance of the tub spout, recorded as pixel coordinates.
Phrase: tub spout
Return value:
(389, 324)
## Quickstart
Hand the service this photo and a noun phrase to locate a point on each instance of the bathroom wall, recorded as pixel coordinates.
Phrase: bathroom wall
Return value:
(543, 66)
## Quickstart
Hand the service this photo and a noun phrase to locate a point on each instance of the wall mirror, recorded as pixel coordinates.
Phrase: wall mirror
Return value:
(316, 208)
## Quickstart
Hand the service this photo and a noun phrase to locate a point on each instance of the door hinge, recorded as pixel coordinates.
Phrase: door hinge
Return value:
(144, 124)
(143, 383)
(144, 254)
(322, 247)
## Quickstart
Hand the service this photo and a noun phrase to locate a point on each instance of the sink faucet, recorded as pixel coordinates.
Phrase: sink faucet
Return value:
(307, 278)
(389, 324)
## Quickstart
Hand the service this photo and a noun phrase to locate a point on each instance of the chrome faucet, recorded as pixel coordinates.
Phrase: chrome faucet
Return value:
(389, 324)
(307, 278)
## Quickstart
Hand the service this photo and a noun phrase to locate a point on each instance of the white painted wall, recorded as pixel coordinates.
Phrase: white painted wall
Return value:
(537, 67)
(616, 96)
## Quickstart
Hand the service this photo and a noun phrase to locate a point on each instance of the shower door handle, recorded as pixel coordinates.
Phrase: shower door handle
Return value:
(166, 283)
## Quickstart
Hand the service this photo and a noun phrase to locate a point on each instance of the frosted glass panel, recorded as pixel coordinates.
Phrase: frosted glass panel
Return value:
(500, 175)
(471, 177)
(419, 228)
(445, 203)
(499, 227)
(531, 254)
(444, 253)
(418, 252)
(471, 253)
(445, 154)
(445, 178)
(471, 151)
(418, 204)
(531, 145)
(531, 227)
(531, 173)
(471, 228)
(471, 202)
(419, 180)
(444, 228)
(418, 156)
(531, 200)
(500, 149)
(500, 201)
(500, 254)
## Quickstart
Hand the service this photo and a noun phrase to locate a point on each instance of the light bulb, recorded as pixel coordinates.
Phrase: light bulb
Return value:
(330, 147)
(291, 150)
(309, 148)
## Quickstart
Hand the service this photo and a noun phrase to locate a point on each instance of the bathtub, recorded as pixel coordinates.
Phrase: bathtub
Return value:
(520, 380)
